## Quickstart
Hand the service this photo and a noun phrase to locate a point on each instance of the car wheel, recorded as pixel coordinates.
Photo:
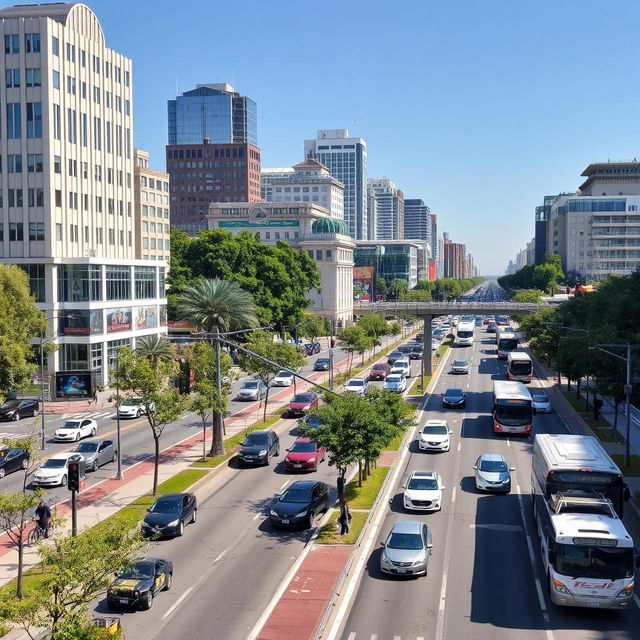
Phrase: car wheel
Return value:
(148, 602)
(95, 465)
(77, 436)
(194, 517)
(64, 481)
(167, 582)
(25, 463)
(35, 413)
(180, 529)
(16, 417)
(2, 472)
(114, 457)
(309, 522)
(93, 432)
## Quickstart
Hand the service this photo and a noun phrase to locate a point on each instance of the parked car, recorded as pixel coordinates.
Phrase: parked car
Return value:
(311, 348)
(540, 400)
(53, 471)
(491, 327)
(283, 379)
(300, 503)
(74, 430)
(423, 491)
(492, 473)
(395, 382)
(133, 408)
(95, 453)
(416, 352)
(169, 514)
(16, 409)
(12, 460)
(302, 403)
(407, 549)
(460, 366)
(305, 454)
(379, 371)
(359, 386)
(259, 447)
(252, 390)
(393, 356)
(322, 364)
(435, 436)
(453, 398)
(138, 586)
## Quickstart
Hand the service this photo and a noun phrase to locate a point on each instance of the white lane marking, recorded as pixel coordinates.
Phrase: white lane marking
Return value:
(420, 638)
(177, 603)
(220, 555)
(396, 638)
(352, 636)
(374, 636)
(453, 495)
(459, 446)
(285, 484)
(532, 559)
(508, 442)
(256, 516)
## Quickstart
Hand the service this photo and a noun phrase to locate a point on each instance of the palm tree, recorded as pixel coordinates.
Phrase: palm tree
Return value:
(215, 306)
(155, 348)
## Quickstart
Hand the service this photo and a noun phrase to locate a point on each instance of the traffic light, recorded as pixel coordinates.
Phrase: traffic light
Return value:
(76, 473)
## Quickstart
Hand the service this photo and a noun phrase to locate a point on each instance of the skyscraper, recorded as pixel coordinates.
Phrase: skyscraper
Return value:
(346, 159)
(417, 220)
(67, 188)
(389, 209)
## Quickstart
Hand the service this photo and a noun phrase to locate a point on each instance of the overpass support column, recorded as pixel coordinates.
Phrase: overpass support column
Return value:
(426, 344)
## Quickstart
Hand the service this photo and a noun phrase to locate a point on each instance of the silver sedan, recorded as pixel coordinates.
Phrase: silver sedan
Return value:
(95, 453)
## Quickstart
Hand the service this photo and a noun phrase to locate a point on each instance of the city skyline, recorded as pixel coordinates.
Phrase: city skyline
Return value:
(496, 118)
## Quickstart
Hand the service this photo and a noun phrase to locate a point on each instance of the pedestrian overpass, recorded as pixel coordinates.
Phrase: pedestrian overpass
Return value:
(426, 310)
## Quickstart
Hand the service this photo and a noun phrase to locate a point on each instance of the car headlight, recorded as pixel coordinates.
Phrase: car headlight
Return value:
(385, 559)
(306, 407)
(311, 460)
(273, 513)
(626, 592)
(301, 514)
(136, 593)
(263, 452)
(173, 523)
(559, 586)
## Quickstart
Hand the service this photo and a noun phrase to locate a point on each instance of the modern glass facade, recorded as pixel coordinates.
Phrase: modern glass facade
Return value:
(391, 261)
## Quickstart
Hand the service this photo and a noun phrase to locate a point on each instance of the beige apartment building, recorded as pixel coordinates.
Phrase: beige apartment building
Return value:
(151, 195)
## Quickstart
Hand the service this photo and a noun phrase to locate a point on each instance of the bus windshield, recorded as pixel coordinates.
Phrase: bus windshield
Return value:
(605, 563)
(507, 344)
(465, 334)
(520, 368)
(513, 414)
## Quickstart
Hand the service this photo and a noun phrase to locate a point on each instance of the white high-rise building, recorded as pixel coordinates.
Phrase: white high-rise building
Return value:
(389, 209)
(67, 189)
(307, 181)
(346, 159)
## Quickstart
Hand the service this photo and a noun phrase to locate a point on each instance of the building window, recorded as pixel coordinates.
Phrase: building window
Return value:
(113, 346)
(35, 198)
(12, 78)
(112, 236)
(71, 52)
(14, 120)
(71, 85)
(36, 231)
(79, 283)
(36, 280)
(96, 356)
(56, 122)
(14, 163)
(16, 233)
(118, 281)
(74, 357)
(34, 78)
(15, 198)
(12, 43)
(34, 119)
(71, 126)
(96, 95)
(59, 231)
(57, 164)
(145, 278)
(55, 46)
(32, 42)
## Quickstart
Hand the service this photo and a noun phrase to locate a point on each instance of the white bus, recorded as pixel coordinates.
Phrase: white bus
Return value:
(464, 334)
(501, 330)
(587, 553)
(507, 342)
(512, 408)
(519, 366)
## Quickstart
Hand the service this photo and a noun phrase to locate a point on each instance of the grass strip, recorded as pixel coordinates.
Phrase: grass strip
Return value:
(416, 389)
(330, 533)
(633, 470)
(600, 427)
(363, 497)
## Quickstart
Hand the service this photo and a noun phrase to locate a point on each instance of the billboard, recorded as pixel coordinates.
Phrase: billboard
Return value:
(119, 320)
(432, 269)
(146, 318)
(73, 383)
(81, 322)
(363, 284)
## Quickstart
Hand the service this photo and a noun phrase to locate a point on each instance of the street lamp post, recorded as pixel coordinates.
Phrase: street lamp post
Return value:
(119, 474)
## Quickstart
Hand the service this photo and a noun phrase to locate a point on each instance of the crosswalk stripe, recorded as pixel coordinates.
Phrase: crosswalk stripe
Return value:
(102, 415)
(352, 636)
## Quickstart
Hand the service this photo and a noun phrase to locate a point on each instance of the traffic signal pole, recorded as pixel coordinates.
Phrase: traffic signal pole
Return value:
(74, 513)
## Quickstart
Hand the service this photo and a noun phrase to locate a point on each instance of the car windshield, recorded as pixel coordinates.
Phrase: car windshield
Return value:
(298, 496)
(54, 463)
(539, 397)
(303, 447)
(493, 466)
(396, 354)
(394, 378)
(87, 447)
(302, 398)
(405, 541)
(422, 484)
(602, 563)
(379, 366)
(416, 348)
(460, 363)
(166, 505)
(356, 383)
(132, 402)
(284, 374)
(251, 384)
(322, 361)
(139, 571)
(255, 439)
(435, 430)
(10, 404)
(454, 393)
(71, 424)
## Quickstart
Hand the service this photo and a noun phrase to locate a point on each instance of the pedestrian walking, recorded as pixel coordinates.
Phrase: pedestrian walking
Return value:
(344, 518)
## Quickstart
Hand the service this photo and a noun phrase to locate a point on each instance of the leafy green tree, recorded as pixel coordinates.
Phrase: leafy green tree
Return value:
(161, 403)
(415, 295)
(20, 321)
(527, 295)
(425, 285)
(278, 277)
(397, 288)
(374, 325)
(381, 288)
(156, 348)
(542, 328)
(351, 339)
(312, 326)
(287, 356)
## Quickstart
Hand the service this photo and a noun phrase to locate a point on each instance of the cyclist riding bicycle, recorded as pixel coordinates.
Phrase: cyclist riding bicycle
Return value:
(43, 517)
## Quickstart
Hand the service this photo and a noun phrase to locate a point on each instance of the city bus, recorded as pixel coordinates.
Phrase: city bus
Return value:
(512, 408)
(506, 342)
(570, 462)
(586, 551)
(464, 334)
(519, 366)
(501, 330)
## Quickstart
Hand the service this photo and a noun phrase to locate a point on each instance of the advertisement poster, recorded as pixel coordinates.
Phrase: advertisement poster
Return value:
(73, 384)
(163, 315)
(119, 320)
(146, 318)
(81, 323)
(363, 284)
(432, 269)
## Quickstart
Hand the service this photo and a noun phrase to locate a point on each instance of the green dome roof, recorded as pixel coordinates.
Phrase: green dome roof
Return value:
(330, 225)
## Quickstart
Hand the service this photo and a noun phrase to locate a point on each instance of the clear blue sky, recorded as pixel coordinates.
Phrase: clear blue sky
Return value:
(479, 108)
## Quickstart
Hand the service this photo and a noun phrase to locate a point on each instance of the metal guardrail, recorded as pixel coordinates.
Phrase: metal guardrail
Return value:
(441, 308)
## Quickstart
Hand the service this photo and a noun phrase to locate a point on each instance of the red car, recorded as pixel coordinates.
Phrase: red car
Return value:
(305, 454)
(379, 371)
(302, 403)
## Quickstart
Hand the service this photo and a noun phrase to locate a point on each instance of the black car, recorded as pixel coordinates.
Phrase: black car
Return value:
(416, 352)
(138, 586)
(405, 348)
(12, 460)
(393, 356)
(419, 337)
(16, 409)
(311, 348)
(169, 514)
(322, 364)
(300, 503)
(259, 447)
(453, 397)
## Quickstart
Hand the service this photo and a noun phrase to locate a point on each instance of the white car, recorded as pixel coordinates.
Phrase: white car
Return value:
(423, 491)
(53, 471)
(395, 382)
(74, 430)
(283, 379)
(400, 371)
(132, 408)
(403, 364)
(435, 436)
(357, 385)
(434, 344)
(540, 400)
(460, 366)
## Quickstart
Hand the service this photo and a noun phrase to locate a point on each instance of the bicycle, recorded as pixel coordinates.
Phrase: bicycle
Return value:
(37, 532)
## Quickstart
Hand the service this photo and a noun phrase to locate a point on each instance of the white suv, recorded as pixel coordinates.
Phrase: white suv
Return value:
(423, 491)
(405, 365)
(435, 436)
